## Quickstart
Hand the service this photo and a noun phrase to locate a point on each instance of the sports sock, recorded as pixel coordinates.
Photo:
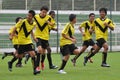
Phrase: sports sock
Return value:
(104, 57)
(75, 58)
(42, 58)
(19, 61)
(13, 59)
(49, 59)
(63, 65)
(38, 59)
(34, 62)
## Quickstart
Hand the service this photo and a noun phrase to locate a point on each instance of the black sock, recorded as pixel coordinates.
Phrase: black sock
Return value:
(104, 57)
(42, 58)
(34, 62)
(90, 55)
(77, 56)
(9, 53)
(38, 59)
(19, 61)
(13, 59)
(63, 65)
(49, 59)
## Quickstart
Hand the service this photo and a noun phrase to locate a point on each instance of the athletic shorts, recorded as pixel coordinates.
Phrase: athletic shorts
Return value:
(43, 43)
(100, 42)
(89, 42)
(25, 48)
(67, 49)
(15, 46)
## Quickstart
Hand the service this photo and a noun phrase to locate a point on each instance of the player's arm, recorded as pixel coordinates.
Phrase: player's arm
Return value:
(69, 38)
(12, 33)
(110, 26)
(81, 30)
(33, 36)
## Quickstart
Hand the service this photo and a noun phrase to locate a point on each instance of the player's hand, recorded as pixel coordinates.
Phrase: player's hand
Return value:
(90, 31)
(106, 24)
(35, 39)
(83, 34)
(73, 40)
(10, 37)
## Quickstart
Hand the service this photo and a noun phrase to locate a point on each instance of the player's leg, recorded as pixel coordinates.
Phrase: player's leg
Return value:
(51, 66)
(97, 48)
(65, 52)
(10, 63)
(19, 63)
(27, 56)
(104, 55)
(5, 54)
(84, 47)
(32, 54)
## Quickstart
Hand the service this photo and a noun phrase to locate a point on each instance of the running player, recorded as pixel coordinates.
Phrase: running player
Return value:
(102, 25)
(86, 36)
(15, 43)
(25, 28)
(51, 66)
(67, 42)
(44, 23)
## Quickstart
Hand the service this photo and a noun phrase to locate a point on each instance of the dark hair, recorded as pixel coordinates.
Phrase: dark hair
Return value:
(91, 14)
(51, 12)
(44, 8)
(71, 17)
(32, 12)
(103, 9)
(17, 19)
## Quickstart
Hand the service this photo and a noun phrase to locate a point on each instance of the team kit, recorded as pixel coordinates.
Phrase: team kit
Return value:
(37, 27)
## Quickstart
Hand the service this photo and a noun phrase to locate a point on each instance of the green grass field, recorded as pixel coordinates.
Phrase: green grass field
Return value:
(90, 72)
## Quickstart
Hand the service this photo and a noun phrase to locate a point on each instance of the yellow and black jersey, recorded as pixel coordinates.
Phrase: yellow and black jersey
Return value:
(101, 30)
(86, 25)
(42, 28)
(69, 31)
(15, 38)
(25, 29)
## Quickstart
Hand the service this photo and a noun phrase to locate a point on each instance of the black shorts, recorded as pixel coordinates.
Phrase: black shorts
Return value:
(43, 43)
(15, 46)
(25, 48)
(100, 42)
(67, 49)
(89, 42)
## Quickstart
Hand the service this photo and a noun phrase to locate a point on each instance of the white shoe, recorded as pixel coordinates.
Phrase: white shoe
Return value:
(62, 72)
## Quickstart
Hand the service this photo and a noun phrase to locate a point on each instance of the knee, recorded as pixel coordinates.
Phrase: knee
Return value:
(66, 57)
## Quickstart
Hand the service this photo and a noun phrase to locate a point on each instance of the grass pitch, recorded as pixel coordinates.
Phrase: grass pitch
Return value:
(93, 71)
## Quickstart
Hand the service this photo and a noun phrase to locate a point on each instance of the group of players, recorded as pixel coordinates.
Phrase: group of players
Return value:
(22, 32)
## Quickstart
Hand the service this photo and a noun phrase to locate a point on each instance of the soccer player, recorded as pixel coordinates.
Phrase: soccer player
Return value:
(25, 32)
(86, 36)
(44, 23)
(51, 66)
(67, 42)
(102, 25)
(15, 43)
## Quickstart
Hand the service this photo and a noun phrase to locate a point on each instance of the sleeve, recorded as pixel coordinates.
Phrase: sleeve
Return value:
(11, 30)
(65, 30)
(18, 25)
(82, 24)
(111, 23)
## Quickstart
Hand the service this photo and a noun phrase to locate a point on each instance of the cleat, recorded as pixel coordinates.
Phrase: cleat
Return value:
(9, 66)
(85, 61)
(90, 60)
(4, 55)
(62, 72)
(53, 67)
(19, 65)
(37, 71)
(42, 65)
(73, 61)
(105, 65)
